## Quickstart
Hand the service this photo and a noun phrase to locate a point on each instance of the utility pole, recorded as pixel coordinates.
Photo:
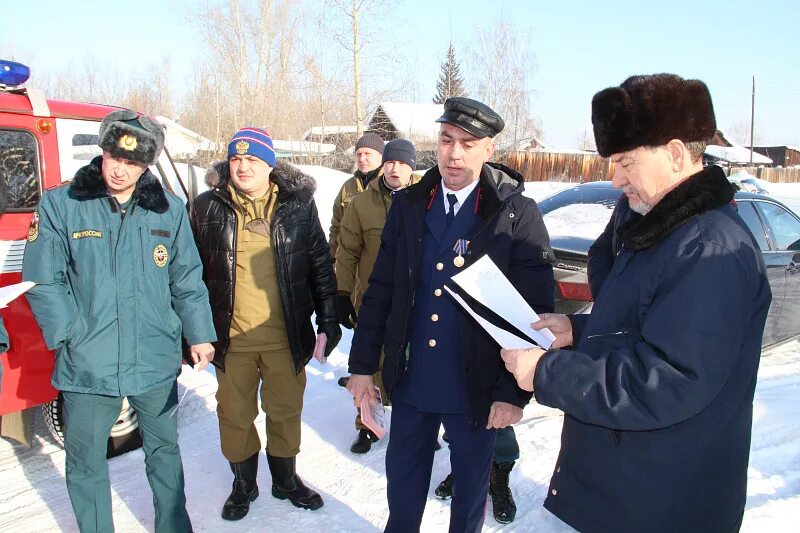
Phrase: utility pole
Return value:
(752, 119)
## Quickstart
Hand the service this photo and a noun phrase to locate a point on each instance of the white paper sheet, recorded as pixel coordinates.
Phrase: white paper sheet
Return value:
(486, 283)
(504, 338)
(11, 292)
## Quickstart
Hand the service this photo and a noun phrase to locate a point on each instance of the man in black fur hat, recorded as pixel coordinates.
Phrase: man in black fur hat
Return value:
(657, 382)
(267, 266)
(118, 283)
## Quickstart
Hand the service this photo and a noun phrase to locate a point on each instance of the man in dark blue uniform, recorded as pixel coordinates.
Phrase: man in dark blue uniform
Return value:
(440, 368)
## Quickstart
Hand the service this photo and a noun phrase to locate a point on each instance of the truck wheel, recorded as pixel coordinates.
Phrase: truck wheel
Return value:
(124, 435)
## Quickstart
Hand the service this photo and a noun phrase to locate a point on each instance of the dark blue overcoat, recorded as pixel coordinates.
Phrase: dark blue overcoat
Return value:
(510, 230)
(658, 391)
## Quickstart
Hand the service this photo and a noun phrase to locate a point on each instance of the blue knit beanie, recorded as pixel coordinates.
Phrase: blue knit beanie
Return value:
(252, 141)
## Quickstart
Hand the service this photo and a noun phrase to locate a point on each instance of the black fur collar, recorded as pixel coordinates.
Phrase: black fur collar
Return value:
(291, 181)
(706, 190)
(497, 182)
(88, 184)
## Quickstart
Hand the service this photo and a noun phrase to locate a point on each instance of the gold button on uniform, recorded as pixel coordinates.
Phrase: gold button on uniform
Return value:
(554, 492)
(437, 292)
(432, 343)
(439, 266)
(434, 317)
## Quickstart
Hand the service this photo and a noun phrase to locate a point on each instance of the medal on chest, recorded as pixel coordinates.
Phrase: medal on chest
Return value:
(460, 248)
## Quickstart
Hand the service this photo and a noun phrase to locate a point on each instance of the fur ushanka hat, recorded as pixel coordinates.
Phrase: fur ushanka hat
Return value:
(650, 111)
(129, 135)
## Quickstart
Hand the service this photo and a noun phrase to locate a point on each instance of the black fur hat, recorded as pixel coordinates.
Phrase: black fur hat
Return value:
(650, 111)
(127, 134)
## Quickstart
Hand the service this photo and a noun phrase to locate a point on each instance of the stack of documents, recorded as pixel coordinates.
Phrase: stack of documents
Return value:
(484, 282)
(11, 292)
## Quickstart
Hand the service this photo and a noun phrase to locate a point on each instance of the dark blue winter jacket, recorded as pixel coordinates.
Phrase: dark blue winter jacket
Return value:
(510, 230)
(658, 390)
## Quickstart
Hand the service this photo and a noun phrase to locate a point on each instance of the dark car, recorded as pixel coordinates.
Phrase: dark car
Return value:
(577, 215)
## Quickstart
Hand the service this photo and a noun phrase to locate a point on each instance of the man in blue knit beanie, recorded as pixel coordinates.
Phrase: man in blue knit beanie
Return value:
(265, 261)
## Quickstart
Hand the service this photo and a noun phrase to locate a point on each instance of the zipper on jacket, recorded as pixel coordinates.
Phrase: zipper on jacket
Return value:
(111, 252)
(601, 335)
(286, 294)
(235, 254)
(117, 207)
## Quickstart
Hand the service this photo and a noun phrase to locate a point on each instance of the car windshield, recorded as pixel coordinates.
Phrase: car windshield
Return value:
(579, 211)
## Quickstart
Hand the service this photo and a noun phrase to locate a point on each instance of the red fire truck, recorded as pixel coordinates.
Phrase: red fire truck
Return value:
(42, 143)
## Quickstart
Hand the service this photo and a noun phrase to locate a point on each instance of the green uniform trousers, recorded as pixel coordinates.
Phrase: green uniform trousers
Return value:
(281, 399)
(89, 419)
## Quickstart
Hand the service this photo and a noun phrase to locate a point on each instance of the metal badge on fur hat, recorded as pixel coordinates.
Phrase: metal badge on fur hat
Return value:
(252, 141)
(650, 111)
(129, 135)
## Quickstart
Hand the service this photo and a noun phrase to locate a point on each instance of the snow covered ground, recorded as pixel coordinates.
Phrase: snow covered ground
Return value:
(33, 496)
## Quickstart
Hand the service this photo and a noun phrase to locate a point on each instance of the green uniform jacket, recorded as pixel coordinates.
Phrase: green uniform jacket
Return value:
(3, 338)
(360, 238)
(114, 293)
(3, 347)
(351, 187)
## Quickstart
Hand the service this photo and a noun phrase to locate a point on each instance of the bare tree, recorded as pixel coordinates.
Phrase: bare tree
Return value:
(352, 13)
(251, 64)
(351, 31)
(739, 133)
(502, 64)
(586, 141)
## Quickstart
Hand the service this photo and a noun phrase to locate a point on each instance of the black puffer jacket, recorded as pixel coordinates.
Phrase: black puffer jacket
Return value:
(306, 280)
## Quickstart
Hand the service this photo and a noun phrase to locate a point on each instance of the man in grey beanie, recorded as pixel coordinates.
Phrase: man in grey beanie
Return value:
(368, 150)
(359, 242)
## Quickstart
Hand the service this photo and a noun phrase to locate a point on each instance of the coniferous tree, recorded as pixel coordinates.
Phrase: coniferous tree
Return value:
(450, 81)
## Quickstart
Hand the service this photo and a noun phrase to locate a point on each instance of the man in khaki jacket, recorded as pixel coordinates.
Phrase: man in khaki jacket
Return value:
(369, 149)
(359, 242)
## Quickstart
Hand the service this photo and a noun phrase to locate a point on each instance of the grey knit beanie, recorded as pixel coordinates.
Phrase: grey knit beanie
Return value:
(370, 140)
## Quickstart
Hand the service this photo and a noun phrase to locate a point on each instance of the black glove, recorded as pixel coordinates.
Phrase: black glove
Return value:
(346, 312)
(333, 332)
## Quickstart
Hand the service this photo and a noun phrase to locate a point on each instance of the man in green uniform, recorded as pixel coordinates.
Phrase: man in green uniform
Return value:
(119, 281)
(359, 242)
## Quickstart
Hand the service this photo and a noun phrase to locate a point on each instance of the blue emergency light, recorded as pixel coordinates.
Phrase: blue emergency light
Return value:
(13, 73)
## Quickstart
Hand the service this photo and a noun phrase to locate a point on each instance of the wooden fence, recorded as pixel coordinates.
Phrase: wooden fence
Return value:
(567, 167)
(772, 175)
(580, 168)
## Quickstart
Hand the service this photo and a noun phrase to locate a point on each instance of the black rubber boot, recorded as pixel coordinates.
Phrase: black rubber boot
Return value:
(363, 442)
(445, 489)
(286, 484)
(342, 381)
(503, 506)
(244, 491)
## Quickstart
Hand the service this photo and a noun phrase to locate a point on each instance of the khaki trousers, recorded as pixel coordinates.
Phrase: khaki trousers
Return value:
(281, 399)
